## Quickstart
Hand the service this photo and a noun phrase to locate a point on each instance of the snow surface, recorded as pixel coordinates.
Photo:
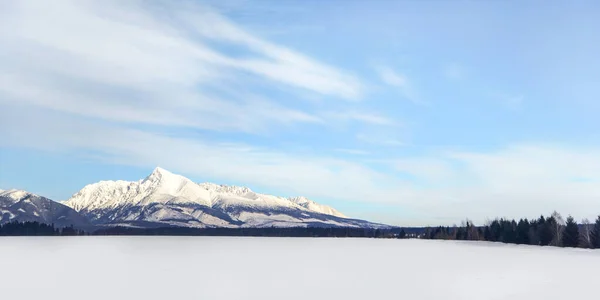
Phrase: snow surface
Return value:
(164, 197)
(290, 268)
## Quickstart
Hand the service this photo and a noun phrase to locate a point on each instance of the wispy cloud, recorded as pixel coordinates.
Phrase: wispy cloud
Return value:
(256, 166)
(153, 63)
(282, 64)
(401, 82)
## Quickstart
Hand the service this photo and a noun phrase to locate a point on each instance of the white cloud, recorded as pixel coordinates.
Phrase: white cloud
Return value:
(517, 181)
(401, 82)
(530, 166)
(151, 62)
(183, 109)
(282, 64)
(311, 175)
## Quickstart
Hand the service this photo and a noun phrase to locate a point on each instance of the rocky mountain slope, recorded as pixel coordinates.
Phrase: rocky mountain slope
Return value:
(22, 206)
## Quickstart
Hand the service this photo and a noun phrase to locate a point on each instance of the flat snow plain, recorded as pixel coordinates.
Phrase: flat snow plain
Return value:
(290, 268)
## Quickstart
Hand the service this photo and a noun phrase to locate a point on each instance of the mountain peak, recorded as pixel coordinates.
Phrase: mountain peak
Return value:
(15, 194)
(160, 174)
(161, 171)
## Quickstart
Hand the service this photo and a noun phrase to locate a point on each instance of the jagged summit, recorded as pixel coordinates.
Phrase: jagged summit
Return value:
(160, 187)
(165, 182)
(167, 198)
(166, 177)
(158, 169)
(159, 173)
(222, 188)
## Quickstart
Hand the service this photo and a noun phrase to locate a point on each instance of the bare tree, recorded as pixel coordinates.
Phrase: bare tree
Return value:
(557, 228)
(471, 230)
(585, 233)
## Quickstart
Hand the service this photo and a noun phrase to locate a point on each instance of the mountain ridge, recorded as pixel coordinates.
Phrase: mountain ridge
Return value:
(22, 206)
(163, 182)
(166, 199)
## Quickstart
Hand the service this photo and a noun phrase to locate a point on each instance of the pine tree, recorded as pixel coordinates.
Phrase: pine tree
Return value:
(545, 231)
(595, 235)
(402, 234)
(509, 231)
(487, 233)
(534, 238)
(570, 236)
(523, 232)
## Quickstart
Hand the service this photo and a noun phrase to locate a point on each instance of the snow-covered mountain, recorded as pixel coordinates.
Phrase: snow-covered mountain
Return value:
(18, 205)
(164, 198)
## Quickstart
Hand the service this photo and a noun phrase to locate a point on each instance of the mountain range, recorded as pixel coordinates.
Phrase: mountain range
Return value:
(166, 199)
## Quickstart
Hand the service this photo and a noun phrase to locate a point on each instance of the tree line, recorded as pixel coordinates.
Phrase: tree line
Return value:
(37, 229)
(15, 228)
(260, 232)
(543, 231)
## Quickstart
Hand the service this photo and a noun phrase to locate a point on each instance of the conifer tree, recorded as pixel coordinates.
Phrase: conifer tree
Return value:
(487, 233)
(570, 236)
(545, 231)
(402, 234)
(595, 235)
(523, 232)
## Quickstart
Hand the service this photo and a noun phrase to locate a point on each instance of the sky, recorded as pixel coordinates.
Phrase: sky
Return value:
(402, 112)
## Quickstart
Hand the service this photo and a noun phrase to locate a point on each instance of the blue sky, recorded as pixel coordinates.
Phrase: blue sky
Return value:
(405, 112)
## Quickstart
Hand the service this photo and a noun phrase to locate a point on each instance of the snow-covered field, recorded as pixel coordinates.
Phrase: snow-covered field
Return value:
(111, 268)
